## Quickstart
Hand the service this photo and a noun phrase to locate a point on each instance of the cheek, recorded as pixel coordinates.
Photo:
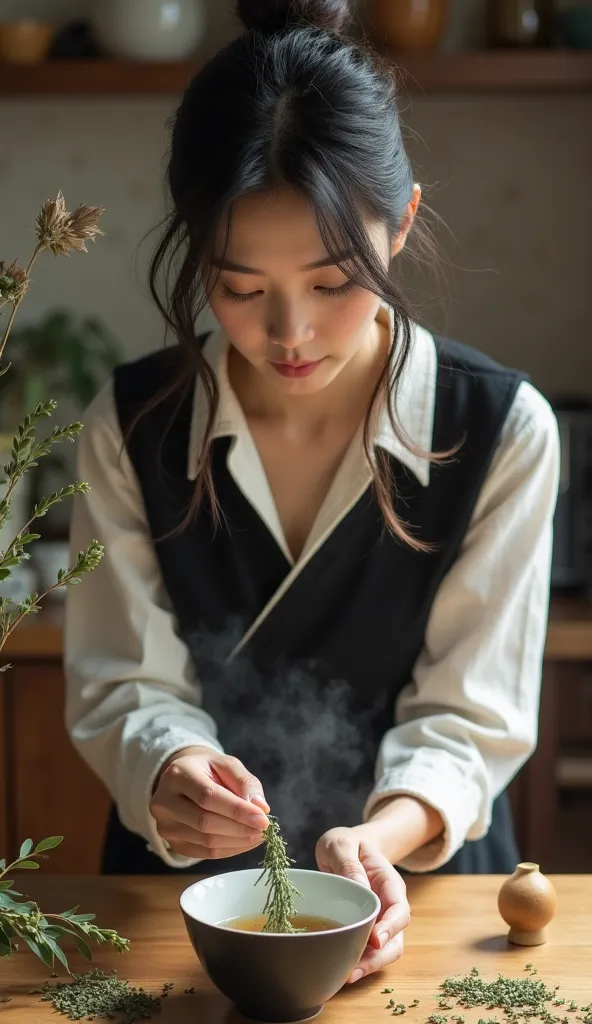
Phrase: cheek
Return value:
(350, 319)
(242, 323)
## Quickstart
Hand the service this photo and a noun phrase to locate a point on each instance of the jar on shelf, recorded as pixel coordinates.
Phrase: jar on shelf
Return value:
(408, 26)
(158, 30)
(519, 23)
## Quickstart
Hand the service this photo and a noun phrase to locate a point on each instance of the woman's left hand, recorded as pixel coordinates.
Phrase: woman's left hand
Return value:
(341, 852)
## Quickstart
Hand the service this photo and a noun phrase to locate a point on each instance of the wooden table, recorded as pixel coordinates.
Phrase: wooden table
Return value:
(455, 927)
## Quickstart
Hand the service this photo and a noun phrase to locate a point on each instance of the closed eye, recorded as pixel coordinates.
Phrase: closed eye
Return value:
(238, 296)
(343, 289)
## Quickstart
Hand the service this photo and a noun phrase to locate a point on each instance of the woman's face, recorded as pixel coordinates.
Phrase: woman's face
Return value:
(287, 309)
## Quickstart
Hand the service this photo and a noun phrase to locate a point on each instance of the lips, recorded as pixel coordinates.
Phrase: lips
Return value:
(296, 370)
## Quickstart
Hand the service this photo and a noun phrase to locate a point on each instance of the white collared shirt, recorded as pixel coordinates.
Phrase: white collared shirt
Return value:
(466, 721)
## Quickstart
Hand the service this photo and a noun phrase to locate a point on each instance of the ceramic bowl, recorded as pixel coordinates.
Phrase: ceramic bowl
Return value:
(278, 978)
(575, 24)
(25, 41)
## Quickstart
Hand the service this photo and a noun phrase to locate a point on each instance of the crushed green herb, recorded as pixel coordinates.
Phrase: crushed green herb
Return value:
(96, 994)
(437, 1018)
(399, 1009)
(5, 999)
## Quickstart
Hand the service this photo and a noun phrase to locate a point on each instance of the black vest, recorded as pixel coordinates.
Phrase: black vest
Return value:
(308, 699)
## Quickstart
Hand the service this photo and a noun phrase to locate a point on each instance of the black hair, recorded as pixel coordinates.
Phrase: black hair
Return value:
(291, 102)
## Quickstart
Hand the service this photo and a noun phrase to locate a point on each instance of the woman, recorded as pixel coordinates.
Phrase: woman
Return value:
(327, 532)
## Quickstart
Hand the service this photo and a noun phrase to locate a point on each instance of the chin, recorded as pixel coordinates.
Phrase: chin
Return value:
(317, 381)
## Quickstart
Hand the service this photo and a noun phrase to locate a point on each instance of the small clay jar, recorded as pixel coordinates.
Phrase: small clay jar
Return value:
(408, 25)
(527, 902)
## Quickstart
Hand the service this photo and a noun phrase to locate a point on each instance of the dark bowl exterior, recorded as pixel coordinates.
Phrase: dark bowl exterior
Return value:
(274, 979)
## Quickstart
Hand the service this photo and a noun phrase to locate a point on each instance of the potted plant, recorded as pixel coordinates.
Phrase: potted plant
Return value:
(68, 357)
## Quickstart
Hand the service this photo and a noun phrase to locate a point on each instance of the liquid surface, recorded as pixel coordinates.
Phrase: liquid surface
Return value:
(305, 922)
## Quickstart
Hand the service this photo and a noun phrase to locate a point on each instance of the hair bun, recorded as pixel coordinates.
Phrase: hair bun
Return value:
(277, 15)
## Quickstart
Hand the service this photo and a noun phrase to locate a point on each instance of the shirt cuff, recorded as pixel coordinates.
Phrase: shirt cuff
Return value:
(138, 817)
(457, 800)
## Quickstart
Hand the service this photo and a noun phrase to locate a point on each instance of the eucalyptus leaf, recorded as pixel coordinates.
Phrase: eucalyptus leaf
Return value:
(48, 844)
(6, 885)
(57, 950)
(40, 949)
(5, 947)
(69, 913)
(83, 947)
(28, 865)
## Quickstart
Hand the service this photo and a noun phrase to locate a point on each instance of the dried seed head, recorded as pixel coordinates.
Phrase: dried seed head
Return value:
(13, 283)
(63, 232)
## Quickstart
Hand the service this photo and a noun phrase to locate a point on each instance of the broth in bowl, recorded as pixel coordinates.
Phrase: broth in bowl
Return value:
(301, 922)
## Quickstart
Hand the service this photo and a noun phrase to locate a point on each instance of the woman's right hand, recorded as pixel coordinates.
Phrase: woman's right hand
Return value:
(207, 805)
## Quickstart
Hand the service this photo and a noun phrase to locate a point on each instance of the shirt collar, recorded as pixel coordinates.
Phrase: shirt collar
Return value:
(414, 403)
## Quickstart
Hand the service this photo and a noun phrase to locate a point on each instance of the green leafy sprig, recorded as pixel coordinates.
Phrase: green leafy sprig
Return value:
(22, 920)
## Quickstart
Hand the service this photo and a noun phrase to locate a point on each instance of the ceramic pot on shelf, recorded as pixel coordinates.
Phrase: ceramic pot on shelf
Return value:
(519, 23)
(157, 30)
(408, 26)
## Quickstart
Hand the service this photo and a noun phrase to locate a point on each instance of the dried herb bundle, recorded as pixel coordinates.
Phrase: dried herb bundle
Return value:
(279, 906)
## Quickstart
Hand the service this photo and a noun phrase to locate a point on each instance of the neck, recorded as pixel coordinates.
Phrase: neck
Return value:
(346, 397)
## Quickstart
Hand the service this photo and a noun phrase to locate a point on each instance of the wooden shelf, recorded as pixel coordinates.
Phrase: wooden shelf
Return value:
(489, 71)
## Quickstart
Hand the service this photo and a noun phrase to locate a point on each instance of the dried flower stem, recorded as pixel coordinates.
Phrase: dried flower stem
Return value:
(38, 249)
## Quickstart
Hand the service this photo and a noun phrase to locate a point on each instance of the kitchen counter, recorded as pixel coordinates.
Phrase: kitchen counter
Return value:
(455, 927)
(569, 636)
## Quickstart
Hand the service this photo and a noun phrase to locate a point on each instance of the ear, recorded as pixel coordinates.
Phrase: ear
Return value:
(408, 217)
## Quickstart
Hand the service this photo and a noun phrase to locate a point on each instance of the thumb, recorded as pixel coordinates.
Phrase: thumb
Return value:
(233, 774)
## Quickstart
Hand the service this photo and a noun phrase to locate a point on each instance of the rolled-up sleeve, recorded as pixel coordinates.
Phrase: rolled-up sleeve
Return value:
(132, 696)
(467, 721)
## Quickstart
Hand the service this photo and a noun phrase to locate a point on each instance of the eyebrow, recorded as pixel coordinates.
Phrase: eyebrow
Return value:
(239, 268)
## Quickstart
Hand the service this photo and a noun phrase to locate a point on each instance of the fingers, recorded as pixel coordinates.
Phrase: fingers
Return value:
(391, 890)
(192, 779)
(206, 852)
(185, 812)
(233, 774)
(376, 960)
(337, 853)
(181, 839)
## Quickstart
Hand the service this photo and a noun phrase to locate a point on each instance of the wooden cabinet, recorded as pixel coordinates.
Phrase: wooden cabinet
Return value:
(50, 791)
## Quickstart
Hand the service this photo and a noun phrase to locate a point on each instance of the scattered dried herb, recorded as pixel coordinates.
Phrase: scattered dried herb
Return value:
(96, 994)
(5, 999)
(279, 906)
(399, 1009)
(437, 1018)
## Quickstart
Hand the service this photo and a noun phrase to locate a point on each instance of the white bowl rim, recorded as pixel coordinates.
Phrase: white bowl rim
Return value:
(285, 935)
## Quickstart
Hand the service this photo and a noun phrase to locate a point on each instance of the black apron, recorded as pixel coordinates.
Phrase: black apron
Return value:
(306, 700)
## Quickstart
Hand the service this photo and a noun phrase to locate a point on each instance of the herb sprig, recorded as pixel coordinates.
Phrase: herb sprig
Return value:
(22, 920)
(279, 905)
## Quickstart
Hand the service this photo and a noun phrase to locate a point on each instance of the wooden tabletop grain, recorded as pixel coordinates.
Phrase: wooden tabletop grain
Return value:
(455, 927)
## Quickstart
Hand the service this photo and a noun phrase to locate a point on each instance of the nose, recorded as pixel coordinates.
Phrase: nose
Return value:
(288, 326)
